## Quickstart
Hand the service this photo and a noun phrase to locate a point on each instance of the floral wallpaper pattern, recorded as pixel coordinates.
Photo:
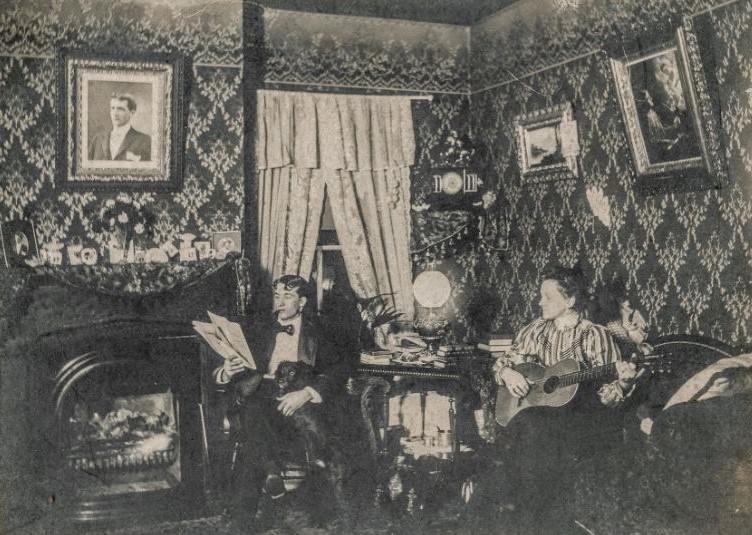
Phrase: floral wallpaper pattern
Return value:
(561, 34)
(686, 256)
(310, 48)
(30, 33)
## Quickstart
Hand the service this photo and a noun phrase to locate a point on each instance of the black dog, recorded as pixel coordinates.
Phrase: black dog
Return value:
(320, 442)
(294, 376)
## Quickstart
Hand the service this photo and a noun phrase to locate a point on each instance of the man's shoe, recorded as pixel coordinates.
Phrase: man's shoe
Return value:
(274, 486)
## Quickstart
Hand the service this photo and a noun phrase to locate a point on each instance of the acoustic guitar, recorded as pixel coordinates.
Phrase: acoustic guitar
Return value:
(557, 385)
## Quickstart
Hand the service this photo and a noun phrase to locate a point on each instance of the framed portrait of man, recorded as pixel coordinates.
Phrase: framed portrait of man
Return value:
(120, 121)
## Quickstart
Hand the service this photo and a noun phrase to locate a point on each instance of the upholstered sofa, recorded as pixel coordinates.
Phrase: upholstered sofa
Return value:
(683, 469)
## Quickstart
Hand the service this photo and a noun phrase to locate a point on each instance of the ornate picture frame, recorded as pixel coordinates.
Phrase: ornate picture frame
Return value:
(120, 121)
(672, 127)
(548, 144)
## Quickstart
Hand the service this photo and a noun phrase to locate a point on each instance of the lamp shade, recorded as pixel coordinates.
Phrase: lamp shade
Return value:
(431, 289)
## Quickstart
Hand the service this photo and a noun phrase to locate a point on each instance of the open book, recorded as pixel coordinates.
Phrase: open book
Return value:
(226, 338)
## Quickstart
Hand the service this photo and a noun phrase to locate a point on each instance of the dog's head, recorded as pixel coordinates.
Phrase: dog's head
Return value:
(293, 376)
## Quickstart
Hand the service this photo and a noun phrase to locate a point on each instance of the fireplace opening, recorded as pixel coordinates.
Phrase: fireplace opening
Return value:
(130, 431)
(123, 444)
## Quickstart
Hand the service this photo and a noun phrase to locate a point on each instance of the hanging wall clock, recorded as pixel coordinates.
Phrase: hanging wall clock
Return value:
(454, 189)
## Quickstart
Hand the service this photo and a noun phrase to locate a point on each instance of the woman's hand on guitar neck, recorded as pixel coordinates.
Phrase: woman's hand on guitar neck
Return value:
(626, 371)
(514, 381)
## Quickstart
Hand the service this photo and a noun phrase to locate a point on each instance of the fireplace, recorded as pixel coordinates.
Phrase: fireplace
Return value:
(129, 422)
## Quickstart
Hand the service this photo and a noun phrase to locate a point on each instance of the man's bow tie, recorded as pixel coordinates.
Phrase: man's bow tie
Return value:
(279, 328)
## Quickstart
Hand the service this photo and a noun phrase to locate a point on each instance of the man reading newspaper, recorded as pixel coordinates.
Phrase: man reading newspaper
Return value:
(266, 425)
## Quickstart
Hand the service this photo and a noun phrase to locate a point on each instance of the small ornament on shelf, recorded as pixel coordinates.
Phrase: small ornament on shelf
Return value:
(204, 250)
(52, 253)
(89, 256)
(74, 253)
(169, 249)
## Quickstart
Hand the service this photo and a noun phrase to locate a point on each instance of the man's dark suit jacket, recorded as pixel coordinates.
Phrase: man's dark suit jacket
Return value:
(330, 366)
(134, 142)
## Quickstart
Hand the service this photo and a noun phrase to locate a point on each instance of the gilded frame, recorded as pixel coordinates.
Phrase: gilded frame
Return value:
(150, 156)
(673, 135)
(548, 144)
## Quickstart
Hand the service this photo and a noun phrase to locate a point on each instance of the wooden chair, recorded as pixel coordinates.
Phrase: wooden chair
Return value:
(297, 464)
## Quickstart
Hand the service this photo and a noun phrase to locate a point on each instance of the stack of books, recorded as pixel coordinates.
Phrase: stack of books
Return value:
(449, 354)
(447, 351)
(495, 344)
(376, 357)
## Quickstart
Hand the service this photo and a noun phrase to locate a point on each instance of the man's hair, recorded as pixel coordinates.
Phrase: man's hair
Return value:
(129, 99)
(572, 283)
(608, 300)
(293, 282)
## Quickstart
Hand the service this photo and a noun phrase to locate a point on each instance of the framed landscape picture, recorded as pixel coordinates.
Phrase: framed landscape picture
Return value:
(120, 121)
(670, 122)
(547, 144)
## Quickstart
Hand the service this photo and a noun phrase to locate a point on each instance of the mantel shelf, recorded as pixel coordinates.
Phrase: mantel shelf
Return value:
(136, 280)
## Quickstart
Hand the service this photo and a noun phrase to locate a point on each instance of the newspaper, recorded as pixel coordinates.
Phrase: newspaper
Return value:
(226, 338)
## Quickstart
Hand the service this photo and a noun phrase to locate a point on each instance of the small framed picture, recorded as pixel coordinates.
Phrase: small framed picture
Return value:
(548, 144)
(139, 256)
(18, 241)
(225, 242)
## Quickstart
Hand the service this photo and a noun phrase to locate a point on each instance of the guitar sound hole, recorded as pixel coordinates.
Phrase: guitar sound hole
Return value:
(550, 385)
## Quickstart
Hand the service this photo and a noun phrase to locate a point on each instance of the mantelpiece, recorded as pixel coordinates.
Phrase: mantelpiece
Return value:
(175, 290)
(143, 279)
(61, 318)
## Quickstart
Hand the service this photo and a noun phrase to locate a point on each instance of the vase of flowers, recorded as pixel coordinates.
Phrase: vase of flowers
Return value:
(124, 220)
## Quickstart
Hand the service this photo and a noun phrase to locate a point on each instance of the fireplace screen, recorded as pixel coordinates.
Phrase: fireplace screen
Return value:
(123, 444)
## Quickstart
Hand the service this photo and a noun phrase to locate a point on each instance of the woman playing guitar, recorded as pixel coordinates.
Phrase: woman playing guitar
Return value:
(542, 445)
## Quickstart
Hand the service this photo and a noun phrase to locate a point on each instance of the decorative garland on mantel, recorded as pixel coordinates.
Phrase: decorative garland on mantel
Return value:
(136, 280)
(141, 280)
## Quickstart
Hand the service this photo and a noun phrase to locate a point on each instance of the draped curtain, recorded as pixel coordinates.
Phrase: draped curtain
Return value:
(355, 149)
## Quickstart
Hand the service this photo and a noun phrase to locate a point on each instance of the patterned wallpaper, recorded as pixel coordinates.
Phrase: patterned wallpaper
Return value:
(311, 49)
(686, 256)
(443, 11)
(536, 34)
(208, 33)
(363, 52)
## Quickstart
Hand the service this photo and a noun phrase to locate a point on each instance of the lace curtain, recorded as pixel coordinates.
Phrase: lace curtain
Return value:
(357, 150)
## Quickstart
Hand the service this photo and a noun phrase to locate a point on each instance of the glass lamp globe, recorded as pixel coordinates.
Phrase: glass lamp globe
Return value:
(431, 289)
